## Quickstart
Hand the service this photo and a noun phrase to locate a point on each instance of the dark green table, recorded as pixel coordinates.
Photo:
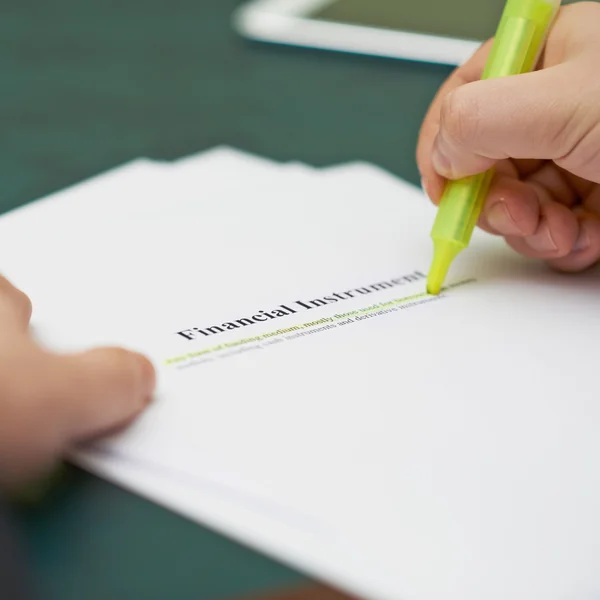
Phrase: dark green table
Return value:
(89, 84)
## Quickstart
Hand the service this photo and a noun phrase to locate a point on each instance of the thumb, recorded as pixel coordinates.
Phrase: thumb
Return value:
(95, 392)
(539, 115)
(51, 402)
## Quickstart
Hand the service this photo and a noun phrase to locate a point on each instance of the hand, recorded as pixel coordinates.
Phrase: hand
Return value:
(542, 131)
(49, 403)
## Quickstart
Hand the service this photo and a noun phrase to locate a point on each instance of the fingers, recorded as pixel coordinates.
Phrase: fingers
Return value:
(469, 72)
(72, 397)
(554, 237)
(539, 217)
(586, 251)
(49, 403)
(512, 208)
(526, 116)
(552, 114)
(531, 219)
(97, 391)
(15, 308)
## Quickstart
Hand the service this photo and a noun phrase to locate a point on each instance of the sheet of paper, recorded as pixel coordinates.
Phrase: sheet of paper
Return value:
(94, 203)
(397, 445)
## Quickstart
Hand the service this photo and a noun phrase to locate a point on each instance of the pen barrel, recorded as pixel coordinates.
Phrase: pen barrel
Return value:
(519, 39)
(515, 50)
(460, 208)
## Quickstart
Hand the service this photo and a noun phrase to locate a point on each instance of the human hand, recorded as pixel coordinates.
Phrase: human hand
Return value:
(49, 403)
(541, 131)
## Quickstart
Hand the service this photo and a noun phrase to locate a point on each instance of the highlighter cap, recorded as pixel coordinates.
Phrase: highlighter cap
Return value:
(554, 3)
(527, 8)
(521, 36)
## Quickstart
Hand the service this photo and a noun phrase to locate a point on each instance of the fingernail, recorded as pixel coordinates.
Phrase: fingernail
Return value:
(583, 241)
(425, 187)
(441, 163)
(499, 218)
(148, 376)
(542, 241)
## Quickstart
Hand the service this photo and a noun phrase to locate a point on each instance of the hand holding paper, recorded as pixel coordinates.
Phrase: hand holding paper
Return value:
(49, 403)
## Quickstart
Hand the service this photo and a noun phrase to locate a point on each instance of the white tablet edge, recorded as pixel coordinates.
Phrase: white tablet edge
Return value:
(284, 22)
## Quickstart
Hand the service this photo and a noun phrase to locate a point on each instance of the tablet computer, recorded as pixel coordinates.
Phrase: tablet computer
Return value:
(439, 31)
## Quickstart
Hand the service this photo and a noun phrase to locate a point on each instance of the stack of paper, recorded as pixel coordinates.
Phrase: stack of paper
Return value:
(313, 401)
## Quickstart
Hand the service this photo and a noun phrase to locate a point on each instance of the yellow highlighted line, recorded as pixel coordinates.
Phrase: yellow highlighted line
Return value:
(338, 317)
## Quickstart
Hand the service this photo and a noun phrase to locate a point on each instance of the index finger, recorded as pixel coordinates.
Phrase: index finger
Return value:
(471, 71)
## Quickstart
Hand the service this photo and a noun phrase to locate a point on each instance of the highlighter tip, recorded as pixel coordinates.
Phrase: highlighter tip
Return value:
(436, 278)
(434, 289)
(445, 253)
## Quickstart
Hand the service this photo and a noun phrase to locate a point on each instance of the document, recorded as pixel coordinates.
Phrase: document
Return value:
(313, 401)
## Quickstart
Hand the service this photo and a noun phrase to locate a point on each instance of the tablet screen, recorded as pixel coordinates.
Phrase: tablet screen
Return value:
(466, 19)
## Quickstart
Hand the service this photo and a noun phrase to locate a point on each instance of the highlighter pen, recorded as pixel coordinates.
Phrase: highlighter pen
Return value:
(516, 50)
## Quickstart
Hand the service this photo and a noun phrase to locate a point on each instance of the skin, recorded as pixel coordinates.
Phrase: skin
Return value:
(49, 403)
(542, 132)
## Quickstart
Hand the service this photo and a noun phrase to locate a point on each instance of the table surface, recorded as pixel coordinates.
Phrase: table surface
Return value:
(90, 84)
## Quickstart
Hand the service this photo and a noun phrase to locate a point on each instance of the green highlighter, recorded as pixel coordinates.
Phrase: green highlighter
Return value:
(517, 46)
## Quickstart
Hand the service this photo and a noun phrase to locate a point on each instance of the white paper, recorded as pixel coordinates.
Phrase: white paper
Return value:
(443, 450)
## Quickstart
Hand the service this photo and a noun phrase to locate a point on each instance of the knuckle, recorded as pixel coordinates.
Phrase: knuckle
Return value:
(572, 104)
(459, 116)
(583, 157)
